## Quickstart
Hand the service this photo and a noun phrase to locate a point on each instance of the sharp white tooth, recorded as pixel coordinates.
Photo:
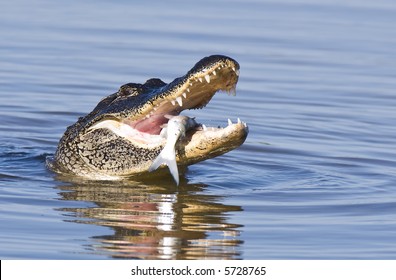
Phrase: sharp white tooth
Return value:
(207, 78)
(173, 102)
(229, 122)
(239, 120)
(200, 79)
(214, 72)
(190, 85)
(188, 90)
(233, 68)
(245, 125)
(184, 95)
(237, 72)
(179, 101)
(204, 127)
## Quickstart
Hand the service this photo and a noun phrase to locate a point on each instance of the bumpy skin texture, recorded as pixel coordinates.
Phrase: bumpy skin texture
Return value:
(103, 152)
(97, 153)
(100, 151)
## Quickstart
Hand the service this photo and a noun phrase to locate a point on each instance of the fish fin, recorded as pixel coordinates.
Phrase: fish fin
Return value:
(168, 157)
(174, 171)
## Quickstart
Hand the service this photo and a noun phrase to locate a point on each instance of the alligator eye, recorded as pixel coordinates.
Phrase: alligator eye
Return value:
(130, 89)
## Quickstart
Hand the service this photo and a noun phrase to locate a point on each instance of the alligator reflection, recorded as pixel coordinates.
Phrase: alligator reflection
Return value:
(157, 221)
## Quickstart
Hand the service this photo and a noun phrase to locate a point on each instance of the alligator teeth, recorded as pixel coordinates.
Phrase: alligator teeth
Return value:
(173, 102)
(179, 101)
(214, 72)
(188, 90)
(236, 71)
(205, 128)
(207, 78)
(200, 79)
(229, 122)
(184, 95)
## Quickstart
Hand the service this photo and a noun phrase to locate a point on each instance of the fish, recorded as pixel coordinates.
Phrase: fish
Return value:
(173, 130)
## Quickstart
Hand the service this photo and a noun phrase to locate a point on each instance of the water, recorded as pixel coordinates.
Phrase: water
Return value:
(315, 178)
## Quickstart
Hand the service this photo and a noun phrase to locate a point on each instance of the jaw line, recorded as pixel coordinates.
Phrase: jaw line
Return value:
(199, 143)
(202, 144)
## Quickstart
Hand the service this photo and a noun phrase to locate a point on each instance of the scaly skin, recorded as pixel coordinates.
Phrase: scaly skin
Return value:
(103, 144)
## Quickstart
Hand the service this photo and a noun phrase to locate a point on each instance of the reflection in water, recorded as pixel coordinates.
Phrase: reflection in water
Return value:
(156, 221)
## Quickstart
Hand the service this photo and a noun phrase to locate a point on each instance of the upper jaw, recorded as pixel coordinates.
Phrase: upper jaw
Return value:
(192, 91)
(208, 76)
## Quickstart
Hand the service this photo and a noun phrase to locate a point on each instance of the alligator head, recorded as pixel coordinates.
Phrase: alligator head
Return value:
(121, 136)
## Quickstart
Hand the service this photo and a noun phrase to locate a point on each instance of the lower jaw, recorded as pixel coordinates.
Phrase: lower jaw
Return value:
(199, 145)
(199, 140)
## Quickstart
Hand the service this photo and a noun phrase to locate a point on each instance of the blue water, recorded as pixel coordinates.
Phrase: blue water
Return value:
(315, 179)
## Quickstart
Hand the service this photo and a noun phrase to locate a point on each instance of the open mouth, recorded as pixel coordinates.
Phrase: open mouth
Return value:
(192, 91)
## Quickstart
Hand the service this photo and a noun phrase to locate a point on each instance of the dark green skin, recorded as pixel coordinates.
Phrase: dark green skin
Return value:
(97, 153)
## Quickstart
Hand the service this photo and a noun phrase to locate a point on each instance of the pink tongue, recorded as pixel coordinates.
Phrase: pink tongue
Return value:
(151, 125)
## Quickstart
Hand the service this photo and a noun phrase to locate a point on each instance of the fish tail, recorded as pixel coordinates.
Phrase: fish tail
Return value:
(168, 157)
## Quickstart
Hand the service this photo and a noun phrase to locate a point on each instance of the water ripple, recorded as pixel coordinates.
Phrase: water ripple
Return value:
(315, 178)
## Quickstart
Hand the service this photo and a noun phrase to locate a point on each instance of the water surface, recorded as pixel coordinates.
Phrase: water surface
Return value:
(315, 178)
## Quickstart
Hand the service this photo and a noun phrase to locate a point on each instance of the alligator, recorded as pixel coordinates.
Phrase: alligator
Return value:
(121, 136)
